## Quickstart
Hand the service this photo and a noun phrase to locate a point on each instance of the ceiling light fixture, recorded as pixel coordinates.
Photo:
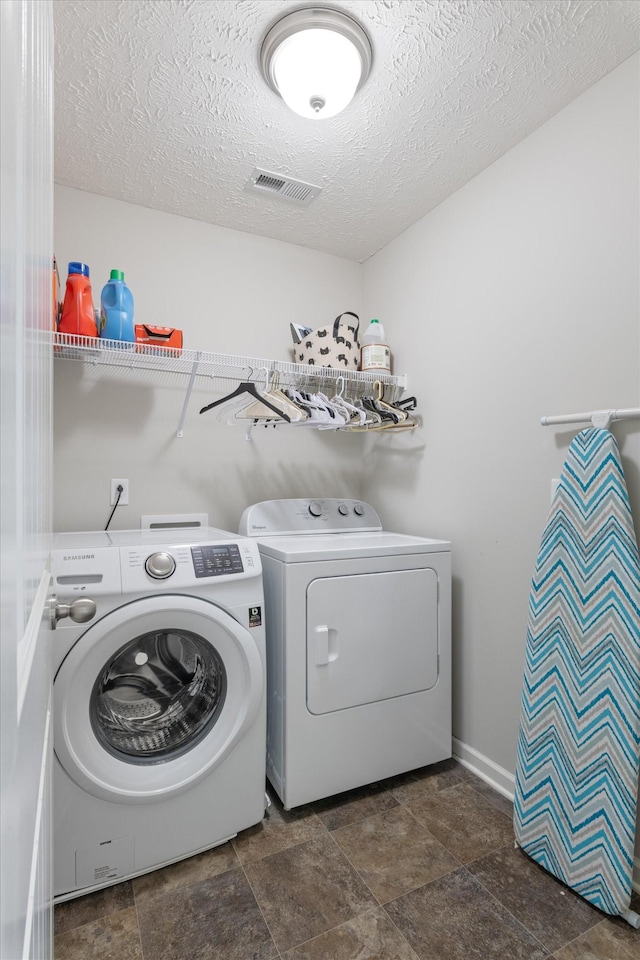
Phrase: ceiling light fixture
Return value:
(316, 59)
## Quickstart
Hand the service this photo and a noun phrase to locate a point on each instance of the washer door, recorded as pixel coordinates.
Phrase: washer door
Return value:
(154, 697)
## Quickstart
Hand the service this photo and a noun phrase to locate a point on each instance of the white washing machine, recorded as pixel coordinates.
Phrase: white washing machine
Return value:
(358, 646)
(159, 699)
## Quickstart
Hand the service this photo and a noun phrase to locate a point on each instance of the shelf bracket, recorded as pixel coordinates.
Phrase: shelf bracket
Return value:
(187, 397)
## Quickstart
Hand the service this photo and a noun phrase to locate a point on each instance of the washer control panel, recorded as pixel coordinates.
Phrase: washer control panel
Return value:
(335, 515)
(216, 560)
(177, 566)
(148, 561)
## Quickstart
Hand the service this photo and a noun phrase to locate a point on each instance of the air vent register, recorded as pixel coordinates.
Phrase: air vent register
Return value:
(285, 188)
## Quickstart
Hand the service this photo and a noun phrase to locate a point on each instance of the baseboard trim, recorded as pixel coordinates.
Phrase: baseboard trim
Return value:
(485, 768)
(504, 782)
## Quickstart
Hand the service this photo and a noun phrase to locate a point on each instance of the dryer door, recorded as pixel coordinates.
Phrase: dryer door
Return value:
(154, 696)
(371, 637)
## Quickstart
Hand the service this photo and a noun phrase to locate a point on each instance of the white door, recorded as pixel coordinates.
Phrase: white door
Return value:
(371, 637)
(26, 221)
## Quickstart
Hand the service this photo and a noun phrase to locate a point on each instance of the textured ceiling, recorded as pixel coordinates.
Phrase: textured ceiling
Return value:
(161, 103)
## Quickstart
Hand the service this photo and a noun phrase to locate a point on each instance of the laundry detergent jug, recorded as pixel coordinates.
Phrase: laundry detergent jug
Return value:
(374, 350)
(116, 309)
(77, 310)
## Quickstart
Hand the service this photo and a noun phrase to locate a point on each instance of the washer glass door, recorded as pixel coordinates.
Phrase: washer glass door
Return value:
(155, 695)
(158, 695)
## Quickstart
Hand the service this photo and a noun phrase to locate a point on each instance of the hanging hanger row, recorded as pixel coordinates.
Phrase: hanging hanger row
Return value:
(314, 378)
(310, 406)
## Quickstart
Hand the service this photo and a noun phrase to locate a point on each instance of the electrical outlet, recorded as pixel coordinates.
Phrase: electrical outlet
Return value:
(124, 498)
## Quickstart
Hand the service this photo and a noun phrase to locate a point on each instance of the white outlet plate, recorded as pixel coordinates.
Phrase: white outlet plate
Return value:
(124, 499)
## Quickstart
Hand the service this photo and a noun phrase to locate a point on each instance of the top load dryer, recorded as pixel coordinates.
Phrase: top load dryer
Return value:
(358, 631)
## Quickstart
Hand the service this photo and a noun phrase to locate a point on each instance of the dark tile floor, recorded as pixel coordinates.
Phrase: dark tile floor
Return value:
(419, 867)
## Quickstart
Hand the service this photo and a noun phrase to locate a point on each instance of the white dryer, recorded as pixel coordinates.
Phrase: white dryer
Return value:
(159, 699)
(358, 646)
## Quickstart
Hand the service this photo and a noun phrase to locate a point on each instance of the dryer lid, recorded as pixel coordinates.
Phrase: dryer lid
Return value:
(347, 546)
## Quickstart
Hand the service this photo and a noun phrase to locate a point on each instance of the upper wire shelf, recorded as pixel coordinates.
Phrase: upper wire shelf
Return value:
(198, 364)
(225, 366)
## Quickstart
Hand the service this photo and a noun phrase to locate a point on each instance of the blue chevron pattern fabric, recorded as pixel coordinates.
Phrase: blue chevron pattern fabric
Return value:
(579, 742)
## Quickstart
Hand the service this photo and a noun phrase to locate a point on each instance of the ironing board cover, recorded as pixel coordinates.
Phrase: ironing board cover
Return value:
(579, 743)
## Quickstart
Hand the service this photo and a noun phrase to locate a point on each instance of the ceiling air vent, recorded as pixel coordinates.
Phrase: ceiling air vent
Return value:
(275, 185)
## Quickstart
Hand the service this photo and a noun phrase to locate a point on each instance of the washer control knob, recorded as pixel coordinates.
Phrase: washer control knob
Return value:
(343, 509)
(160, 565)
(358, 510)
(315, 508)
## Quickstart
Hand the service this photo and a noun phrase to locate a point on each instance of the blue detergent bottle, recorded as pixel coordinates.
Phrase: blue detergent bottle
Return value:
(116, 309)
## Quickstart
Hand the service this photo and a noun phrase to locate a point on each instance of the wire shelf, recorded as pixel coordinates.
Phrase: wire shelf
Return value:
(217, 365)
(196, 364)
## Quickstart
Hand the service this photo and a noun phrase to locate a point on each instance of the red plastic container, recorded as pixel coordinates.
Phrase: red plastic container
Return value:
(77, 311)
(159, 336)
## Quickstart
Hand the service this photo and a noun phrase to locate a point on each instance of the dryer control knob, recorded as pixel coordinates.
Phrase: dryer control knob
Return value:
(343, 509)
(358, 510)
(160, 565)
(315, 508)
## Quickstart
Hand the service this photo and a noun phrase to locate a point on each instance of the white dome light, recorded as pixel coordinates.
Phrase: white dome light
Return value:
(316, 59)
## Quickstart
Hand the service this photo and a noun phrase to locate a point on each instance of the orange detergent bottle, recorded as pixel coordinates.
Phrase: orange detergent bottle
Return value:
(77, 311)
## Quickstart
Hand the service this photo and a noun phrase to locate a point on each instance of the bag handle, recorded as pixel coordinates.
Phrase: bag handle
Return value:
(154, 332)
(336, 323)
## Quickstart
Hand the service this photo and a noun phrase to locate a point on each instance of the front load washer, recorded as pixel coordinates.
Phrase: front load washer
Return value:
(358, 646)
(159, 699)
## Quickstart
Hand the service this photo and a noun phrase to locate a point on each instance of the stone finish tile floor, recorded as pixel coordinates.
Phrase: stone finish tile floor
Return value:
(418, 867)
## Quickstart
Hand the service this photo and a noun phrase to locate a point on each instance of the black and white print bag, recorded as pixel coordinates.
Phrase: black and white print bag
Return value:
(335, 345)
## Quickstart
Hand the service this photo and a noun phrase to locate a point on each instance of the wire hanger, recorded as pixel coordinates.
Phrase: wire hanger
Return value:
(248, 387)
(351, 412)
(272, 393)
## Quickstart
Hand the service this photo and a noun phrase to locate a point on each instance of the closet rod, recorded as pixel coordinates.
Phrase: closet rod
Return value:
(599, 418)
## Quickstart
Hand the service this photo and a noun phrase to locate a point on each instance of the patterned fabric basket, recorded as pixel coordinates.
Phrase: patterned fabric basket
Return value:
(335, 345)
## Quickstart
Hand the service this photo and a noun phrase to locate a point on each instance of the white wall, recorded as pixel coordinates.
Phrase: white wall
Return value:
(230, 292)
(516, 297)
